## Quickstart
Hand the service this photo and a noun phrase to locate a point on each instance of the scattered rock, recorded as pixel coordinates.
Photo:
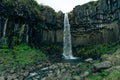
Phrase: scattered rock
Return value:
(12, 71)
(110, 70)
(63, 70)
(50, 74)
(1, 62)
(85, 74)
(35, 79)
(76, 78)
(57, 71)
(10, 78)
(25, 73)
(102, 65)
(79, 64)
(44, 78)
(112, 58)
(2, 78)
(89, 60)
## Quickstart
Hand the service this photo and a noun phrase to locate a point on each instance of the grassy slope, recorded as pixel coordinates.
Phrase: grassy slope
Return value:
(115, 70)
(21, 55)
(115, 75)
(97, 50)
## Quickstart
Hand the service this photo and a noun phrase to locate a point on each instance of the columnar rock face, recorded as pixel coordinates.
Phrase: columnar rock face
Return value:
(93, 23)
(29, 22)
(52, 36)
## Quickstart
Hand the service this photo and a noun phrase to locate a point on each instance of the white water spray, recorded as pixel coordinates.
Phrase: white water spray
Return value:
(67, 50)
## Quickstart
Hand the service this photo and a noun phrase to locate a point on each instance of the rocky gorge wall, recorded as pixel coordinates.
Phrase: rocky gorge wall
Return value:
(27, 22)
(52, 36)
(93, 23)
(109, 33)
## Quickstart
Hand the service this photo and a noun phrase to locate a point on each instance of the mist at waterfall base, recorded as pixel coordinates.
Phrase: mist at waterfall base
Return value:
(67, 46)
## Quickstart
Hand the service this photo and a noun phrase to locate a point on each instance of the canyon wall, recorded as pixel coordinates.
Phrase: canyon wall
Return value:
(27, 22)
(93, 23)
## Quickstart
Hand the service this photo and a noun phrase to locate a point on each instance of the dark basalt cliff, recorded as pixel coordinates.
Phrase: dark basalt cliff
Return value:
(95, 22)
(28, 22)
(25, 21)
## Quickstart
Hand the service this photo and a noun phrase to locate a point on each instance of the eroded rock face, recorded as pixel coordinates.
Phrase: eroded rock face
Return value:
(92, 23)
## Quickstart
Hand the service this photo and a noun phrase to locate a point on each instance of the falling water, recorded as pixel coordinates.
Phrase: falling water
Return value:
(4, 33)
(4, 30)
(67, 50)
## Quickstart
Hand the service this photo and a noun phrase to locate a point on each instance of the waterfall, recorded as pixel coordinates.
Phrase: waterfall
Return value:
(4, 33)
(4, 30)
(67, 50)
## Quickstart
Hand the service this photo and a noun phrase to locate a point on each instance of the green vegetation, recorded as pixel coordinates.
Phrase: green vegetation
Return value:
(97, 50)
(75, 73)
(21, 56)
(115, 75)
(114, 72)
(84, 66)
(96, 77)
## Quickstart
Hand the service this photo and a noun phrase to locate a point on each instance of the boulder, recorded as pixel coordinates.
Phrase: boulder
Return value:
(102, 65)
(76, 78)
(89, 60)
(85, 74)
(44, 78)
(2, 78)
